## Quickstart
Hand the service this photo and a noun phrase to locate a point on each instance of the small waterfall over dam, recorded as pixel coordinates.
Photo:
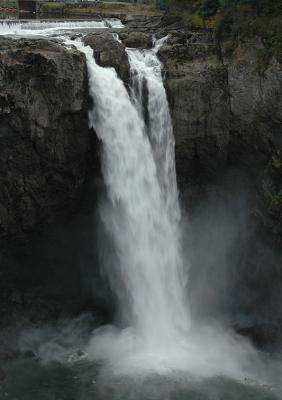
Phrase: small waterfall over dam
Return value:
(55, 27)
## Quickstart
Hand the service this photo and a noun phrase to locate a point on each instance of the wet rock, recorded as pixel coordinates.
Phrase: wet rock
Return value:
(178, 53)
(28, 354)
(263, 334)
(255, 90)
(153, 23)
(138, 40)
(43, 131)
(226, 110)
(2, 375)
(225, 107)
(176, 37)
(109, 53)
(197, 88)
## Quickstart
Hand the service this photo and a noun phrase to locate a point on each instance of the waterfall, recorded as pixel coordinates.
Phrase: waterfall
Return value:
(146, 77)
(142, 213)
(141, 217)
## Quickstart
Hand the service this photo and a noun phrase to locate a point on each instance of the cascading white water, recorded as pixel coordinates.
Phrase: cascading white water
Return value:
(114, 22)
(146, 76)
(144, 230)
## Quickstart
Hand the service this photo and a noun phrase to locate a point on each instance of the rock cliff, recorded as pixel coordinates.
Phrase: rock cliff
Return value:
(226, 106)
(109, 53)
(43, 131)
(197, 87)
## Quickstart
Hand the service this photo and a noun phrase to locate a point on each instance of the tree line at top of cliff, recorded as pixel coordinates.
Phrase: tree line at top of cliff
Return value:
(207, 13)
(208, 8)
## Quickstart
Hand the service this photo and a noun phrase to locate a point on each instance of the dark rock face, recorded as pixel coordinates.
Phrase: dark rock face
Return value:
(52, 275)
(197, 87)
(109, 53)
(226, 108)
(255, 89)
(2, 375)
(154, 23)
(43, 130)
(135, 39)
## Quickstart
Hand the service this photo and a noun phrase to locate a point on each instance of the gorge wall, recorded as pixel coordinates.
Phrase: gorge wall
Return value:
(226, 109)
(225, 105)
(43, 131)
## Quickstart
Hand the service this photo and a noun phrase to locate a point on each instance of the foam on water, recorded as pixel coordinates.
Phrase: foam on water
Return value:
(114, 22)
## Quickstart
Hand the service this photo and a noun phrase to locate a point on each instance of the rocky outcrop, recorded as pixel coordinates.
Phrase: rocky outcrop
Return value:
(197, 86)
(135, 39)
(43, 130)
(152, 23)
(109, 53)
(255, 88)
(226, 107)
(226, 103)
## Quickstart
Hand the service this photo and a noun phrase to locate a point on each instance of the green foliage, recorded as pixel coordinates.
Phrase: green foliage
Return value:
(183, 5)
(193, 20)
(276, 161)
(273, 174)
(276, 201)
(102, 8)
(204, 9)
(51, 5)
(258, 6)
(188, 10)
(264, 56)
(9, 3)
(209, 8)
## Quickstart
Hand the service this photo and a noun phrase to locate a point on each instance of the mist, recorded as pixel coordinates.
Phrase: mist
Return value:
(217, 241)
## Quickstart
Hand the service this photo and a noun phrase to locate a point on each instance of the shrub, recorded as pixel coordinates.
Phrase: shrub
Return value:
(209, 8)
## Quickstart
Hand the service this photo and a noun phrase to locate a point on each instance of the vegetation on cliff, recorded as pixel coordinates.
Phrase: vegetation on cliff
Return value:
(270, 207)
(235, 19)
(84, 9)
(209, 13)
